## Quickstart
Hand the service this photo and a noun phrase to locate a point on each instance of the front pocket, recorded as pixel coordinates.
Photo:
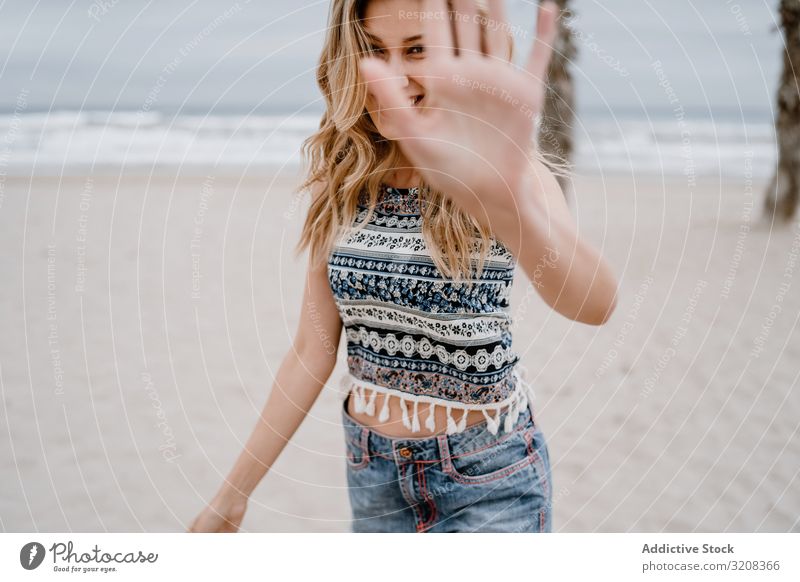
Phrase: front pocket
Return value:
(496, 461)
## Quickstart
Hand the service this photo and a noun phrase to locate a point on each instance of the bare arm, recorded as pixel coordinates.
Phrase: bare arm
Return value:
(300, 378)
(302, 375)
(567, 271)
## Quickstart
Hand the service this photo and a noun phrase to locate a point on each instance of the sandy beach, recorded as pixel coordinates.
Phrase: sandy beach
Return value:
(143, 320)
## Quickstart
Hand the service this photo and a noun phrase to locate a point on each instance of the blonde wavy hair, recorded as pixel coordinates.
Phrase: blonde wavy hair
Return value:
(348, 155)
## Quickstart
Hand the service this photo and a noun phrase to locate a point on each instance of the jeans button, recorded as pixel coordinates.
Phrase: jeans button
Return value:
(405, 452)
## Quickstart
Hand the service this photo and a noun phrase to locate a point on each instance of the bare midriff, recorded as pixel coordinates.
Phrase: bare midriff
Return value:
(393, 426)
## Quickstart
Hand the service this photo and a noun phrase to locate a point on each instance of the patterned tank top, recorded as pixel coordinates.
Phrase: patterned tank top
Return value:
(416, 335)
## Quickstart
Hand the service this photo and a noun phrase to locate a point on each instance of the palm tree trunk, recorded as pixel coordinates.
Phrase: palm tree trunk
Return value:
(784, 189)
(555, 132)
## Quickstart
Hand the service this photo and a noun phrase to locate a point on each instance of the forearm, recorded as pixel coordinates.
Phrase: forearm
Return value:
(297, 385)
(570, 275)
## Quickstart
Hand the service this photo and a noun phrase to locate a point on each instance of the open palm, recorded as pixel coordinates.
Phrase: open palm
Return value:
(473, 136)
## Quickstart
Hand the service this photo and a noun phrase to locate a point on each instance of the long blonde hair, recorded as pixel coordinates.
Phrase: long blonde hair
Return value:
(348, 155)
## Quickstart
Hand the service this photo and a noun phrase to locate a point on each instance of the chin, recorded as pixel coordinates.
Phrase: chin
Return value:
(382, 131)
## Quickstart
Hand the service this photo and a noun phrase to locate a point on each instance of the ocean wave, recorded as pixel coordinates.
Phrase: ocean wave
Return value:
(79, 141)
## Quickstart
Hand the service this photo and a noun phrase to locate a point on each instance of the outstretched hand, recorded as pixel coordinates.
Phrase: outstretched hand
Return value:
(472, 135)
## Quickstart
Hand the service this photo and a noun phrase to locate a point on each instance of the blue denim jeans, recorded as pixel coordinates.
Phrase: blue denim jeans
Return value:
(472, 481)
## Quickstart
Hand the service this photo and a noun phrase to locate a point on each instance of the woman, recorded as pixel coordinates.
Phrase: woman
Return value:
(426, 150)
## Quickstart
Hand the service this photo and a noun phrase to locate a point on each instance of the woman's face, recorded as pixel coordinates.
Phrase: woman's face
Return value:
(395, 30)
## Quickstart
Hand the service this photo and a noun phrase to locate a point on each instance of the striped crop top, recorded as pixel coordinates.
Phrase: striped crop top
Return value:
(416, 335)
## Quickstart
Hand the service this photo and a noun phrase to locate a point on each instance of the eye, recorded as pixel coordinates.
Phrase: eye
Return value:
(375, 49)
(417, 49)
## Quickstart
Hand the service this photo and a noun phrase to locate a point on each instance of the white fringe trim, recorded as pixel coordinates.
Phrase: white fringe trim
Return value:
(513, 404)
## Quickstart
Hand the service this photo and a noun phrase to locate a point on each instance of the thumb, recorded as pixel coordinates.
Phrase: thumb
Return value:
(388, 91)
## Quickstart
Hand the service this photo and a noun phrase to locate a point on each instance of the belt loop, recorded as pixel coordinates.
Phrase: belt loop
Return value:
(533, 418)
(444, 450)
(365, 442)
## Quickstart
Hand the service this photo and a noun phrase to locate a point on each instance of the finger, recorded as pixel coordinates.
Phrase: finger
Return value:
(468, 32)
(496, 27)
(438, 37)
(388, 91)
(542, 49)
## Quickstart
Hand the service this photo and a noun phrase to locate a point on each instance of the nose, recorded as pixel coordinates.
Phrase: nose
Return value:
(398, 67)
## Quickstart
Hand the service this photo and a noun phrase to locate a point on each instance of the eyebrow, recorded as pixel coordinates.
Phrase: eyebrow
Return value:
(374, 38)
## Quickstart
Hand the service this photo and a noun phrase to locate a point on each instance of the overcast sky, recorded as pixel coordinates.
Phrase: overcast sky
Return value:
(718, 56)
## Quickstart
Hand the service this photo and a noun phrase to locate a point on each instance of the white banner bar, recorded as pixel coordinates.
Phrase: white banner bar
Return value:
(387, 557)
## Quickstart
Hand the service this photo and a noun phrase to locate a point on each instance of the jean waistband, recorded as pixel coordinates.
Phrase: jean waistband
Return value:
(427, 448)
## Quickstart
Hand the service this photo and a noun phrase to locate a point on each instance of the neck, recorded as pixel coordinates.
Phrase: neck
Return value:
(403, 176)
